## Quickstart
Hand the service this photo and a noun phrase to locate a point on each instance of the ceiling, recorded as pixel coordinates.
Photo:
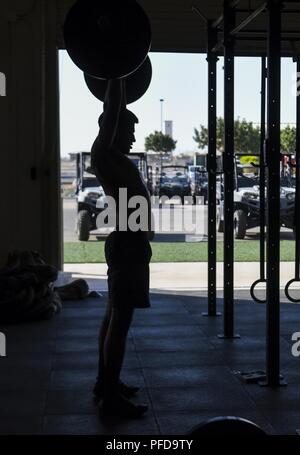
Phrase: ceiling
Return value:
(177, 28)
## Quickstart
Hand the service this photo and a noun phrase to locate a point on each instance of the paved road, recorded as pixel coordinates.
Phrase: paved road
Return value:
(69, 217)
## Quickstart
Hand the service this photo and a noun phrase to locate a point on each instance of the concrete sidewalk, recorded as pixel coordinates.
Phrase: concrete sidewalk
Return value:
(185, 276)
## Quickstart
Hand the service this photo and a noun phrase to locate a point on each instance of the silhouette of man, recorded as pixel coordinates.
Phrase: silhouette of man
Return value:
(127, 253)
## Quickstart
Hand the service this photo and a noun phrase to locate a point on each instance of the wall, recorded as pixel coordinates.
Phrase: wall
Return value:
(29, 130)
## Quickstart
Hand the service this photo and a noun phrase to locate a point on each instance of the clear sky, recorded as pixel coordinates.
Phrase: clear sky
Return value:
(181, 80)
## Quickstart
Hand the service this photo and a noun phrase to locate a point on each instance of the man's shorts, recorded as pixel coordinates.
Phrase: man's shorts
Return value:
(128, 255)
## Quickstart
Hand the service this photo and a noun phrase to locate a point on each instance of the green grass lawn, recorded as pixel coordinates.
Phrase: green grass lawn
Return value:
(245, 251)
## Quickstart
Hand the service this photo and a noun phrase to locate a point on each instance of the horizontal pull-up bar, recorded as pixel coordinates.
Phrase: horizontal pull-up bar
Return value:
(219, 45)
(264, 38)
(260, 31)
(249, 11)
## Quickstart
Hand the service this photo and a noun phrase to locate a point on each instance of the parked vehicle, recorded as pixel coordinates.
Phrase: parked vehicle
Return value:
(247, 203)
(199, 186)
(140, 160)
(91, 199)
(88, 191)
(192, 170)
(174, 181)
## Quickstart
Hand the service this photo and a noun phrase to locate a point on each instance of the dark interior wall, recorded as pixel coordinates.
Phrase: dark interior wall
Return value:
(29, 124)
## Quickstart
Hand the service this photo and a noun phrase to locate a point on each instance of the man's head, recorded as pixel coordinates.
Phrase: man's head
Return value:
(125, 137)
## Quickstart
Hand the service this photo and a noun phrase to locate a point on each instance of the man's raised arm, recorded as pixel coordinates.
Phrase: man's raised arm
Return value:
(114, 100)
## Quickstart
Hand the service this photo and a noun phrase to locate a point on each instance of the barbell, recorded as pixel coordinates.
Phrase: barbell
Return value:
(136, 83)
(107, 39)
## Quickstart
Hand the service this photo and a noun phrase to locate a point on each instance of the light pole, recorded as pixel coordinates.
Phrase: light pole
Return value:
(161, 114)
(161, 129)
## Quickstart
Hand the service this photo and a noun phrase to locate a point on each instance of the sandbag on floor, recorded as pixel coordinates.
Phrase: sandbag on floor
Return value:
(27, 291)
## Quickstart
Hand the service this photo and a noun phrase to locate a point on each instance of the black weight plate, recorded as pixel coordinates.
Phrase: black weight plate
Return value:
(137, 83)
(107, 39)
(227, 426)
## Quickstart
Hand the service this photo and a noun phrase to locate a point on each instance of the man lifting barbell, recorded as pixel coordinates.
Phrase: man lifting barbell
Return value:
(127, 253)
(109, 42)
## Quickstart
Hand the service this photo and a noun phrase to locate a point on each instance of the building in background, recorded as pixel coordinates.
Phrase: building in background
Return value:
(169, 128)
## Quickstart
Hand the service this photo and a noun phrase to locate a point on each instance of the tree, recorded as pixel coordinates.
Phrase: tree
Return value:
(246, 136)
(160, 143)
(201, 137)
(288, 139)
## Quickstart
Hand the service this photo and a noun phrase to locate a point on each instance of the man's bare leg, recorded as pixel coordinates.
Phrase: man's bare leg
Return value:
(101, 341)
(127, 390)
(115, 345)
(114, 353)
